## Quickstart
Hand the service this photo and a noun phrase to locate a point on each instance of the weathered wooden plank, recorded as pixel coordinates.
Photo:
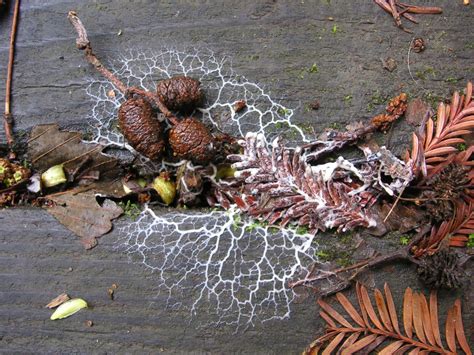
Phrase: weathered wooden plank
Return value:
(271, 42)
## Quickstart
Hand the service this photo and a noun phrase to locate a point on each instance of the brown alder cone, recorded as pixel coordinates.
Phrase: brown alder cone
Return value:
(190, 139)
(180, 93)
(141, 129)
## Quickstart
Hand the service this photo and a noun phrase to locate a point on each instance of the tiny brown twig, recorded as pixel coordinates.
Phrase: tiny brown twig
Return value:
(395, 14)
(405, 10)
(83, 43)
(7, 116)
(404, 254)
(421, 9)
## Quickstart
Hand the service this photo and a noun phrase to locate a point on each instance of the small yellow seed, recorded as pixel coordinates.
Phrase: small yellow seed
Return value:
(165, 188)
(69, 308)
(53, 176)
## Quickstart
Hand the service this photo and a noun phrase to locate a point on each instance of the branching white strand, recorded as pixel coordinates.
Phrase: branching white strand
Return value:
(237, 270)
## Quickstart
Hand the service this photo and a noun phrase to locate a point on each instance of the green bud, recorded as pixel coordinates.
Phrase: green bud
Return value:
(224, 172)
(9, 182)
(53, 176)
(18, 176)
(141, 182)
(165, 188)
(69, 308)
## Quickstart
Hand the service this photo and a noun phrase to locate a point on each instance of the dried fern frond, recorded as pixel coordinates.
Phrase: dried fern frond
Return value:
(370, 328)
(439, 139)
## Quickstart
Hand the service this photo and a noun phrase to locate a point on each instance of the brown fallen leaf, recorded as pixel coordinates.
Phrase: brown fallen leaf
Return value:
(416, 111)
(402, 218)
(63, 297)
(48, 146)
(81, 214)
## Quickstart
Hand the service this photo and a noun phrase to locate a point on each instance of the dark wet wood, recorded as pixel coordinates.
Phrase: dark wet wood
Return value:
(272, 42)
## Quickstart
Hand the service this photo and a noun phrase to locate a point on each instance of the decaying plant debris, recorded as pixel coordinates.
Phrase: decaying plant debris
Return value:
(57, 301)
(380, 328)
(289, 187)
(400, 10)
(309, 186)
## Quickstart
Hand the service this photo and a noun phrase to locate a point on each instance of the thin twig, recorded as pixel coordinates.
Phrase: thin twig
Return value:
(394, 204)
(153, 98)
(403, 254)
(395, 15)
(7, 116)
(422, 9)
(83, 43)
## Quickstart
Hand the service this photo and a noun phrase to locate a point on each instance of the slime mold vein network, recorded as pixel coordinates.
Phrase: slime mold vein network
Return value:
(213, 260)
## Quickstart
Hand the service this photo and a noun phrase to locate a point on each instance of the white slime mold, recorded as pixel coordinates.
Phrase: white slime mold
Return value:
(212, 260)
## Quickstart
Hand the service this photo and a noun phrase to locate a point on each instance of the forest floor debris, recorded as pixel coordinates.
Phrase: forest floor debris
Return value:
(309, 186)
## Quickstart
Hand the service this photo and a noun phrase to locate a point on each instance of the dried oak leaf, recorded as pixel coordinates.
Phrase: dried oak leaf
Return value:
(82, 214)
(180, 93)
(48, 146)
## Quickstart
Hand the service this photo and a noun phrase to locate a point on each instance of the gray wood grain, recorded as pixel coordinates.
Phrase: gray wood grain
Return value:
(271, 42)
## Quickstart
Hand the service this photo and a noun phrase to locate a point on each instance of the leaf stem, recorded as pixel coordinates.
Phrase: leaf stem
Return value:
(7, 116)
(390, 335)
